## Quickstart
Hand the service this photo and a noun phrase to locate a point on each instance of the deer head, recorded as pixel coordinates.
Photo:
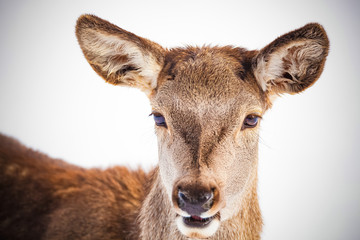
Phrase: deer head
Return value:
(207, 105)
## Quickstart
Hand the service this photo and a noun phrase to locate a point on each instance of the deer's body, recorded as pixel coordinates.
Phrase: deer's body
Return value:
(206, 103)
(44, 198)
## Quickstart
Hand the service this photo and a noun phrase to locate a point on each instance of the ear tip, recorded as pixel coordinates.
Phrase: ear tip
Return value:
(314, 25)
(317, 31)
(82, 22)
(87, 21)
(86, 18)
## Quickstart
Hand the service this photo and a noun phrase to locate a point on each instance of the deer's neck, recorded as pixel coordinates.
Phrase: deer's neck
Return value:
(156, 219)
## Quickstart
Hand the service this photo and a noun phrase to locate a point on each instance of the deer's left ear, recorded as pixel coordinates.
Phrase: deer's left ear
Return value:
(293, 61)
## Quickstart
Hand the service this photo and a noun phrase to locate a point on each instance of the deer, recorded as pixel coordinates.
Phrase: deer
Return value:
(207, 103)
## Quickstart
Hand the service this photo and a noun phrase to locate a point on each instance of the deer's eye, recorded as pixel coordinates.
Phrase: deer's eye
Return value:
(159, 120)
(250, 121)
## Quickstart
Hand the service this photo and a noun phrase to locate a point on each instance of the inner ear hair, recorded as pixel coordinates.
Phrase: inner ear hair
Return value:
(292, 62)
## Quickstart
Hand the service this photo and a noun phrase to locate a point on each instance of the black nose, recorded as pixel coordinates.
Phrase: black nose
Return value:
(195, 203)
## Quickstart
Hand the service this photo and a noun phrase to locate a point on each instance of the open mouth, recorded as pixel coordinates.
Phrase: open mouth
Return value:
(196, 221)
(196, 227)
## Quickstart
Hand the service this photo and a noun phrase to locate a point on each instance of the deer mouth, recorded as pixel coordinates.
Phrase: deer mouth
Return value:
(197, 227)
(196, 221)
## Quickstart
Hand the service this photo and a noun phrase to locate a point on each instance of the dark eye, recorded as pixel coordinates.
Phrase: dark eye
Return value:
(159, 120)
(250, 121)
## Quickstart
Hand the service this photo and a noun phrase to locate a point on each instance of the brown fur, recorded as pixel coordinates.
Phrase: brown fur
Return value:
(204, 94)
(45, 198)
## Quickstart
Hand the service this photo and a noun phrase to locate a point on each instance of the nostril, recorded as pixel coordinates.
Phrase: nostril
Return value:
(182, 199)
(182, 196)
(206, 197)
(207, 202)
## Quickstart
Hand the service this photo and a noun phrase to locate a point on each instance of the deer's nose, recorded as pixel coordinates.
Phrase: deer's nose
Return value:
(195, 203)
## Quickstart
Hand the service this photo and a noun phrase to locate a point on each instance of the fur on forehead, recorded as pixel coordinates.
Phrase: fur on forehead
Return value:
(178, 59)
(209, 73)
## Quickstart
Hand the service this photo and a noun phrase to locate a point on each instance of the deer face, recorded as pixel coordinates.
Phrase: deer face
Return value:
(207, 117)
(207, 104)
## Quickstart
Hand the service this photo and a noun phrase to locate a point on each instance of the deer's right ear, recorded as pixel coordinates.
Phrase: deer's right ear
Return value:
(120, 57)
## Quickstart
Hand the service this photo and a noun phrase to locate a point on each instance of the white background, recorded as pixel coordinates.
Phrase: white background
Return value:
(309, 177)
